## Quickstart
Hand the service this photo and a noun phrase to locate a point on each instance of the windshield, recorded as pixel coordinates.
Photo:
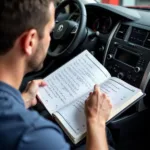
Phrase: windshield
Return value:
(136, 4)
(133, 3)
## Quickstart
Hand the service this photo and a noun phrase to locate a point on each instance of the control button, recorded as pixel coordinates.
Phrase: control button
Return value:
(120, 75)
(137, 69)
(110, 56)
(134, 79)
(102, 48)
(115, 70)
(129, 76)
(137, 77)
(115, 43)
(117, 66)
(129, 72)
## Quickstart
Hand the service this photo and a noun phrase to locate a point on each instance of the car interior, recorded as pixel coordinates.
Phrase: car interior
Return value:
(119, 38)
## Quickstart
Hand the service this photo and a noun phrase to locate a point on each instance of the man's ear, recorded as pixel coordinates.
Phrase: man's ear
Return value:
(29, 41)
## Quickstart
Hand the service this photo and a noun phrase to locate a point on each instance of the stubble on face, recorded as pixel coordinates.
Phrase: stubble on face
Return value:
(36, 63)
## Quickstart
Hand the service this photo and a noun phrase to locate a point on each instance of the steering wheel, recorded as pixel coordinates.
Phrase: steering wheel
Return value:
(68, 34)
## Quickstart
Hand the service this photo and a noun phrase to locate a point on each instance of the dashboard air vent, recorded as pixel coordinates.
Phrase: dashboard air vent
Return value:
(147, 42)
(122, 31)
(138, 36)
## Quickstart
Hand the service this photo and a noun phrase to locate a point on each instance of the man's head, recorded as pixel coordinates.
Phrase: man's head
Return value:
(25, 27)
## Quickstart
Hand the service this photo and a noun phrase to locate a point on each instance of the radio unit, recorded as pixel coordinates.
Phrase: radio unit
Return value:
(127, 62)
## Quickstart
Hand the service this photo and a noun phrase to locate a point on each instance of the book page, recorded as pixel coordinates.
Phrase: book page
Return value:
(72, 119)
(118, 91)
(121, 95)
(71, 81)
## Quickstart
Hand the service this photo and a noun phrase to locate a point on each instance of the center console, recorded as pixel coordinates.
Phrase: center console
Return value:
(128, 54)
(128, 57)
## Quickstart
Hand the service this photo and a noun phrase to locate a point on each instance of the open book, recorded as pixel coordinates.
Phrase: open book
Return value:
(69, 86)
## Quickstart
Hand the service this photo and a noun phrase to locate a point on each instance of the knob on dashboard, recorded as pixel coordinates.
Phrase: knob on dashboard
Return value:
(101, 48)
(116, 43)
(137, 69)
(120, 75)
(110, 56)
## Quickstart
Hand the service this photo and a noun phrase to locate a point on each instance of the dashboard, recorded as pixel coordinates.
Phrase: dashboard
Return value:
(122, 44)
(120, 40)
(97, 20)
(125, 38)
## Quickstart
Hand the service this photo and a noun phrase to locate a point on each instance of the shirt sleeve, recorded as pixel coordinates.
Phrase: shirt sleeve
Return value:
(43, 137)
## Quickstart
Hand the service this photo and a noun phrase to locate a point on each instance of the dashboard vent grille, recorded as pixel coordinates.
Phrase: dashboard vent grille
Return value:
(138, 36)
(147, 42)
(122, 31)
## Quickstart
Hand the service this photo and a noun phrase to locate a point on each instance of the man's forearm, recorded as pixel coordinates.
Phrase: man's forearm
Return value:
(96, 137)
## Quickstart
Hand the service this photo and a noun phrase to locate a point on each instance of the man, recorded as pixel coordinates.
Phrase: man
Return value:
(24, 40)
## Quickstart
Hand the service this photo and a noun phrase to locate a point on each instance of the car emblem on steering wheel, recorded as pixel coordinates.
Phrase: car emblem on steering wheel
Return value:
(60, 28)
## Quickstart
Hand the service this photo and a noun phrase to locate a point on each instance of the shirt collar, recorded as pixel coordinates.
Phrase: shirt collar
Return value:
(12, 91)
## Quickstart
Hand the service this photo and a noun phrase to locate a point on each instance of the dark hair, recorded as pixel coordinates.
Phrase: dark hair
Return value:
(18, 16)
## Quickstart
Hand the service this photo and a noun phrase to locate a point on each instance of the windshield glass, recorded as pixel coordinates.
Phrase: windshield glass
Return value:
(135, 3)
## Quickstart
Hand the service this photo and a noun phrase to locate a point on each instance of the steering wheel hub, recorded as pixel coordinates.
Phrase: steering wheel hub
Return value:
(63, 30)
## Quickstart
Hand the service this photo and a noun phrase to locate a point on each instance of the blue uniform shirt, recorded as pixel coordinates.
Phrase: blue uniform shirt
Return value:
(24, 129)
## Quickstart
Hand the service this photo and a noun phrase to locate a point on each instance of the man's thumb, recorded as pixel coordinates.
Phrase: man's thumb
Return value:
(32, 88)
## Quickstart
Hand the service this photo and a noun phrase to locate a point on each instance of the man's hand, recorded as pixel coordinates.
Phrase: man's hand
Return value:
(29, 95)
(97, 107)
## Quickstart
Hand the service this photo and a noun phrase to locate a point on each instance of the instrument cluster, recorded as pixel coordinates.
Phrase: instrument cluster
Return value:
(102, 23)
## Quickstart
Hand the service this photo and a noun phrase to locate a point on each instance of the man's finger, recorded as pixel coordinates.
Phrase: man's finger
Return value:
(39, 82)
(32, 88)
(92, 101)
(97, 89)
